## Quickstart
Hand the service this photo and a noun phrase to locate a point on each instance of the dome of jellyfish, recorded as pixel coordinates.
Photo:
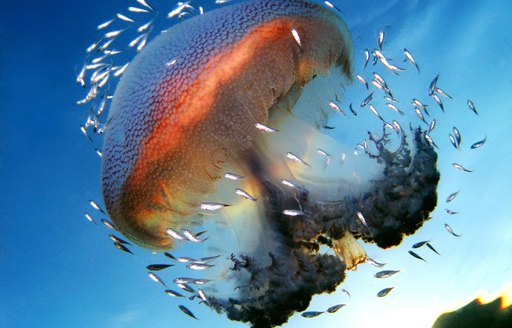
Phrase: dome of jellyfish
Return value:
(245, 138)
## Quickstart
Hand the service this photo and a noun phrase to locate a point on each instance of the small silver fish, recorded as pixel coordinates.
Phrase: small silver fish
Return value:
(112, 34)
(393, 107)
(420, 115)
(212, 206)
(346, 292)
(186, 288)
(174, 234)
(432, 125)
(108, 224)
(367, 100)
(390, 99)
(184, 309)
(125, 18)
(438, 101)
(122, 247)
(419, 244)
(205, 260)
(96, 206)
(146, 4)
(361, 218)
(105, 24)
(137, 10)
(335, 308)
(198, 266)
(457, 135)
(156, 278)
(265, 128)
(336, 108)
(232, 176)
(134, 42)
(330, 5)
(121, 70)
(296, 158)
(386, 273)
(478, 144)
(173, 293)
(381, 39)
(417, 256)
(453, 141)
(430, 141)
(460, 167)
(158, 267)
(296, 36)
(179, 8)
(89, 218)
(362, 80)
(366, 57)
(288, 183)
(202, 295)
(191, 237)
(292, 212)
(185, 259)
(374, 111)
(442, 93)
(432, 86)
(169, 255)
(311, 314)
(144, 27)
(450, 211)
(409, 57)
(432, 248)
(375, 263)
(118, 240)
(471, 106)
(385, 291)
(452, 196)
(450, 230)
(326, 155)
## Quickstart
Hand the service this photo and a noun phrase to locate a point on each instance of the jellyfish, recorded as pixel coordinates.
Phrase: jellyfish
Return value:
(246, 90)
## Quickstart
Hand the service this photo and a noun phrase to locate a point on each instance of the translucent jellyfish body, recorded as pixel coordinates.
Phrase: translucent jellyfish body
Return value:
(217, 124)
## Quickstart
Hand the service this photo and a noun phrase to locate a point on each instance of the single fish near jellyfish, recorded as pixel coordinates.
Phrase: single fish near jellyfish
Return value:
(478, 144)
(156, 278)
(408, 56)
(89, 218)
(122, 247)
(311, 314)
(335, 308)
(158, 267)
(375, 263)
(173, 293)
(118, 240)
(384, 292)
(460, 167)
(185, 310)
(381, 39)
(452, 196)
(472, 106)
(450, 230)
(386, 273)
(420, 244)
(432, 248)
(417, 256)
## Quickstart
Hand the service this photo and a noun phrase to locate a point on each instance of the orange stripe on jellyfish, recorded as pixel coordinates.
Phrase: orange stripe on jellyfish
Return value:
(188, 103)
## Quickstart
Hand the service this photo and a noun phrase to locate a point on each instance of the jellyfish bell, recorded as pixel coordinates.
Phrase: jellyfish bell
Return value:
(187, 106)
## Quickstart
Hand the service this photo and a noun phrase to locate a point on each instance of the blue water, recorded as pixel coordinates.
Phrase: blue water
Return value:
(59, 270)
